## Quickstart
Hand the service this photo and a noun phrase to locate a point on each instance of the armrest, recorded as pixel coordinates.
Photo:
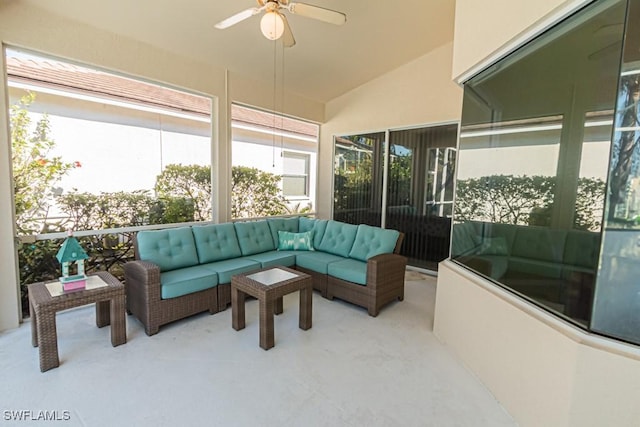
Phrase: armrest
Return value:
(385, 270)
(142, 278)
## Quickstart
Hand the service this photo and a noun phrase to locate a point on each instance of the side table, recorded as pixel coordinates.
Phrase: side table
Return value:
(110, 309)
(269, 286)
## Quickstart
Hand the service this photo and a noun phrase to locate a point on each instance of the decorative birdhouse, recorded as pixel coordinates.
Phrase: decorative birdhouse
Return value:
(71, 257)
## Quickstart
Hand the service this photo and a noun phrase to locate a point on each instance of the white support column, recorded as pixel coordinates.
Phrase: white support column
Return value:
(386, 152)
(10, 312)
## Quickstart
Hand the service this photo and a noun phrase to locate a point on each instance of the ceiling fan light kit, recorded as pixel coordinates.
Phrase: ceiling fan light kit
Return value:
(274, 23)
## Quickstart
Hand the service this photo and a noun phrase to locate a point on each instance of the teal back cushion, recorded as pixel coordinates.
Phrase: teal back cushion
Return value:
(317, 225)
(288, 241)
(169, 249)
(216, 242)
(465, 237)
(493, 246)
(306, 224)
(282, 224)
(582, 249)
(371, 241)
(539, 243)
(338, 238)
(254, 237)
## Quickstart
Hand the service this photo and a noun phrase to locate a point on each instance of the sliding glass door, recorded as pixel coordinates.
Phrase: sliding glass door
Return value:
(415, 196)
(358, 175)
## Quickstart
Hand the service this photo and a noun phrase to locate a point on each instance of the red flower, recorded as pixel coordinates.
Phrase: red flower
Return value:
(42, 162)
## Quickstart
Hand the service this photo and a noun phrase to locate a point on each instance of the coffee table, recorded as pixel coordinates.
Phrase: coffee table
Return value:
(110, 309)
(269, 285)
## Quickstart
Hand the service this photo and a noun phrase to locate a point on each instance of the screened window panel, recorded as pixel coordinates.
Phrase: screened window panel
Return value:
(274, 163)
(420, 191)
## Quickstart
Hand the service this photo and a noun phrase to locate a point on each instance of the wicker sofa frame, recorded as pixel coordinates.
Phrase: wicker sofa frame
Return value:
(385, 283)
(145, 302)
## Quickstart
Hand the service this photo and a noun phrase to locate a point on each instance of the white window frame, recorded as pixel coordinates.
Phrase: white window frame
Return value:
(307, 164)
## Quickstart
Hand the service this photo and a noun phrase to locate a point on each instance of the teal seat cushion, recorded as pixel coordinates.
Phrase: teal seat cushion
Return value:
(185, 281)
(275, 258)
(497, 265)
(532, 267)
(350, 270)
(169, 249)
(371, 241)
(282, 224)
(316, 261)
(216, 242)
(317, 225)
(338, 238)
(295, 241)
(254, 237)
(229, 267)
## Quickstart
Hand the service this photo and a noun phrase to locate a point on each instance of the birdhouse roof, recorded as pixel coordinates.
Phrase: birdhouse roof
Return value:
(71, 251)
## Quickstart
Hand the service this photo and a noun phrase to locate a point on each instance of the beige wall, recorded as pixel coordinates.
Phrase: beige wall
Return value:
(27, 27)
(418, 93)
(544, 372)
(483, 28)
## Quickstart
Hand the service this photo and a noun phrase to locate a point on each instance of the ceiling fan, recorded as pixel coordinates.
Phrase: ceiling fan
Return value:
(274, 23)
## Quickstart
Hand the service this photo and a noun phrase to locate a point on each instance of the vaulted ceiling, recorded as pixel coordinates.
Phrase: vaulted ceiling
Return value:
(327, 60)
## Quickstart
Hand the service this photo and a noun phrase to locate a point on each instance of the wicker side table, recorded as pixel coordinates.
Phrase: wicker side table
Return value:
(269, 286)
(110, 309)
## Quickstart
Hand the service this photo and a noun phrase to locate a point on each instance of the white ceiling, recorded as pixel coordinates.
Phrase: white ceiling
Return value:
(327, 60)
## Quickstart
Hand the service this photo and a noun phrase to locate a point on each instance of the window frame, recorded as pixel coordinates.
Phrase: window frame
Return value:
(307, 164)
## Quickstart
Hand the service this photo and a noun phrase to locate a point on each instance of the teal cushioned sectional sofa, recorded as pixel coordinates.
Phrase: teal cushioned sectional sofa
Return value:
(554, 266)
(186, 270)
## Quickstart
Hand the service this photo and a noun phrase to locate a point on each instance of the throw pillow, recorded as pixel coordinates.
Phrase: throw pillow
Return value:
(288, 241)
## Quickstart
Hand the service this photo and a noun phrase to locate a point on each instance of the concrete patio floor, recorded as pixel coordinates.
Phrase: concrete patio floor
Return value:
(349, 369)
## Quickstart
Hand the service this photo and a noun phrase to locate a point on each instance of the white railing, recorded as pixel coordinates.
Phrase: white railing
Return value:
(82, 233)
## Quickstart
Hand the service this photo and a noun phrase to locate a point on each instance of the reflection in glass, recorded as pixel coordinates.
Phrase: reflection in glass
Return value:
(507, 172)
(534, 143)
(616, 310)
(358, 165)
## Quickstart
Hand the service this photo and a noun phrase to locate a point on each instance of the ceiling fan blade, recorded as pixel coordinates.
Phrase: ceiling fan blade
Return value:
(287, 36)
(238, 17)
(319, 13)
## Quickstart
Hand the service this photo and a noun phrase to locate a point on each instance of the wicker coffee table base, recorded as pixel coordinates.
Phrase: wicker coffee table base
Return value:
(110, 309)
(270, 302)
